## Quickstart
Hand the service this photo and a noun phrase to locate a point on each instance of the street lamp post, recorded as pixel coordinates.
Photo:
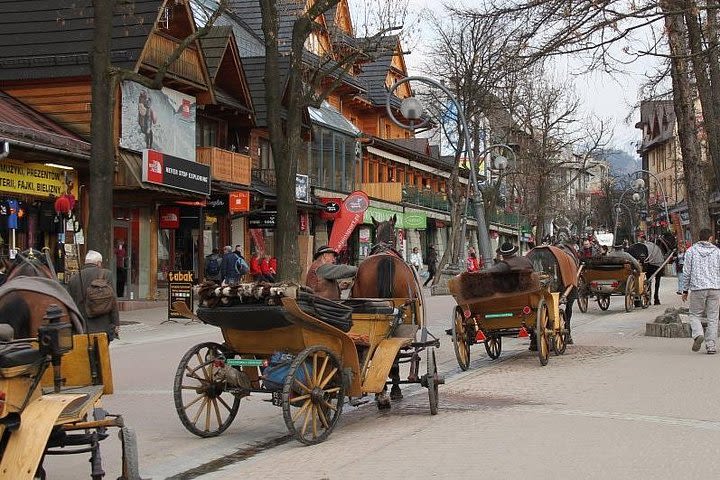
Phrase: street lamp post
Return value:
(412, 109)
(617, 214)
(639, 185)
(636, 198)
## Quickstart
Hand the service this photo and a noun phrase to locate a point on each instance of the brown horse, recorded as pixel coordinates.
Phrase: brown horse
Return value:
(384, 274)
(30, 287)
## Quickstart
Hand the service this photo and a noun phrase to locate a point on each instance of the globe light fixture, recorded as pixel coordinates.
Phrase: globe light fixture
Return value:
(500, 162)
(636, 197)
(638, 185)
(411, 108)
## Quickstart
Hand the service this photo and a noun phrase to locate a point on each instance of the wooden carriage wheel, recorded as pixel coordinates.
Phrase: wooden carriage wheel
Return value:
(493, 346)
(560, 335)
(432, 381)
(541, 332)
(460, 339)
(646, 295)
(201, 402)
(582, 295)
(603, 302)
(629, 293)
(313, 395)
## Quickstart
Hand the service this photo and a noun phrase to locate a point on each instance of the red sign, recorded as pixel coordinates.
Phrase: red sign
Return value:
(239, 201)
(303, 221)
(351, 213)
(332, 208)
(154, 169)
(169, 217)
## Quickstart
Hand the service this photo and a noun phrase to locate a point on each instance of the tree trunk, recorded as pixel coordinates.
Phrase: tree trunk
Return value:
(102, 158)
(695, 182)
(700, 70)
(714, 64)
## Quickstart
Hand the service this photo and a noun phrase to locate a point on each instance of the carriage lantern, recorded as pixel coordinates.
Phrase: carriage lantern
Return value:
(55, 339)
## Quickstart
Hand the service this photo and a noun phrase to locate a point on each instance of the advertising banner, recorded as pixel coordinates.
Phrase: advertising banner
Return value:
(169, 217)
(383, 215)
(331, 208)
(302, 188)
(351, 214)
(162, 120)
(36, 179)
(175, 172)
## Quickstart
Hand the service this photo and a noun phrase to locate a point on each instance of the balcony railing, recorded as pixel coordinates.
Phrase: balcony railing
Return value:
(388, 191)
(513, 220)
(226, 165)
(425, 198)
(188, 66)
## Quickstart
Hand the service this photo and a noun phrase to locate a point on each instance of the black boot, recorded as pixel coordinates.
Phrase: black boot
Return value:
(533, 343)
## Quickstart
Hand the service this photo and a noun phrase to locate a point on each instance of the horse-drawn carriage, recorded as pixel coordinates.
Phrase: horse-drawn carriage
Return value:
(308, 353)
(52, 411)
(492, 305)
(605, 276)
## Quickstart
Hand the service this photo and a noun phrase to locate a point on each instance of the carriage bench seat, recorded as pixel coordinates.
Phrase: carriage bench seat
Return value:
(376, 306)
(485, 284)
(13, 356)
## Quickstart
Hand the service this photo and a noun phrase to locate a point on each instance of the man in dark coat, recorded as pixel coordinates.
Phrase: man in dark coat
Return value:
(511, 262)
(228, 270)
(431, 260)
(92, 270)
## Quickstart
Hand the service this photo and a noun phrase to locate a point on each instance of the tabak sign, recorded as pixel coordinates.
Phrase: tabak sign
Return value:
(351, 214)
(175, 172)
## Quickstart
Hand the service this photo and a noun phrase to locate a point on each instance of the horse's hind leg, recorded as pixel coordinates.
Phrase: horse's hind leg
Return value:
(382, 400)
(395, 392)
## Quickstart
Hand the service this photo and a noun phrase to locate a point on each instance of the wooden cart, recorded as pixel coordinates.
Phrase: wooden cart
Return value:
(604, 277)
(491, 305)
(327, 364)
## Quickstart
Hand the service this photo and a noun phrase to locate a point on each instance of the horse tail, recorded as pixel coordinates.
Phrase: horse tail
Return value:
(385, 277)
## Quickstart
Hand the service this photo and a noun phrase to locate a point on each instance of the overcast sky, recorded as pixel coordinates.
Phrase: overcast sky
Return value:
(602, 95)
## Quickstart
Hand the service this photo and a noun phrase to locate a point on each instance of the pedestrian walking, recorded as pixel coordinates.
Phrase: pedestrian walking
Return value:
(701, 277)
(431, 261)
(228, 269)
(92, 289)
(416, 259)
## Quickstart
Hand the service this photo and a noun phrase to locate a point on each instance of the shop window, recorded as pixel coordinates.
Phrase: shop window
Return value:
(350, 146)
(206, 132)
(339, 164)
(327, 176)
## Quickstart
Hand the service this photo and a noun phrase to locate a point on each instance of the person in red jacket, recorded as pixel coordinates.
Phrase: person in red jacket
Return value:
(267, 271)
(255, 268)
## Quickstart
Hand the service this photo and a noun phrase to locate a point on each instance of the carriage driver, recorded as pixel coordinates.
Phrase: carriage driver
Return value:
(510, 262)
(324, 274)
(623, 256)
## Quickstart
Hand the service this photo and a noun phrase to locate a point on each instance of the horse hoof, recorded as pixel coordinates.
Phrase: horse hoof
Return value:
(383, 404)
(396, 393)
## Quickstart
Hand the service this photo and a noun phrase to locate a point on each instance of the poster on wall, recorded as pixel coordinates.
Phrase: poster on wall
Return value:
(161, 120)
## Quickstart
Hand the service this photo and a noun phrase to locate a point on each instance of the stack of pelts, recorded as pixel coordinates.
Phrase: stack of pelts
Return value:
(213, 295)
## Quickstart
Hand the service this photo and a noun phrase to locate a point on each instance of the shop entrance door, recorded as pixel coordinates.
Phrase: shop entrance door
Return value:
(123, 260)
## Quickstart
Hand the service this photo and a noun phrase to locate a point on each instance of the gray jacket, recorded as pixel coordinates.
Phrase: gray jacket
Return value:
(702, 267)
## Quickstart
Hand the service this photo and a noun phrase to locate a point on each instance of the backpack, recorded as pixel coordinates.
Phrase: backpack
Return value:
(241, 266)
(212, 267)
(99, 298)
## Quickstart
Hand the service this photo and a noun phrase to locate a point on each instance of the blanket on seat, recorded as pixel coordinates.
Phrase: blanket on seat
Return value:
(482, 284)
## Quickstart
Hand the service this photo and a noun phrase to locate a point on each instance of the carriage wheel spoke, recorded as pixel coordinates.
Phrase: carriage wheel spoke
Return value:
(332, 390)
(201, 365)
(301, 410)
(314, 411)
(208, 411)
(302, 385)
(315, 370)
(323, 419)
(329, 405)
(199, 412)
(328, 378)
(308, 377)
(322, 368)
(300, 398)
(199, 397)
(307, 419)
(222, 400)
(217, 411)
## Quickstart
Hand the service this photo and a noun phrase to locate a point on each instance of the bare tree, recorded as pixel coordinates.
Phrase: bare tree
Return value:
(106, 78)
(475, 58)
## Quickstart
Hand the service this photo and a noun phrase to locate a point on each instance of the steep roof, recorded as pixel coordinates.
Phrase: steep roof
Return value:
(375, 72)
(214, 45)
(51, 38)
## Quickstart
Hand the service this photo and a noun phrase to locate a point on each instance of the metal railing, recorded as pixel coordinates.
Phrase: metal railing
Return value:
(425, 198)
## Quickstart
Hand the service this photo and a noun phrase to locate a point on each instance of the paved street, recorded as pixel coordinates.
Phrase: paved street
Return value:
(616, 405)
